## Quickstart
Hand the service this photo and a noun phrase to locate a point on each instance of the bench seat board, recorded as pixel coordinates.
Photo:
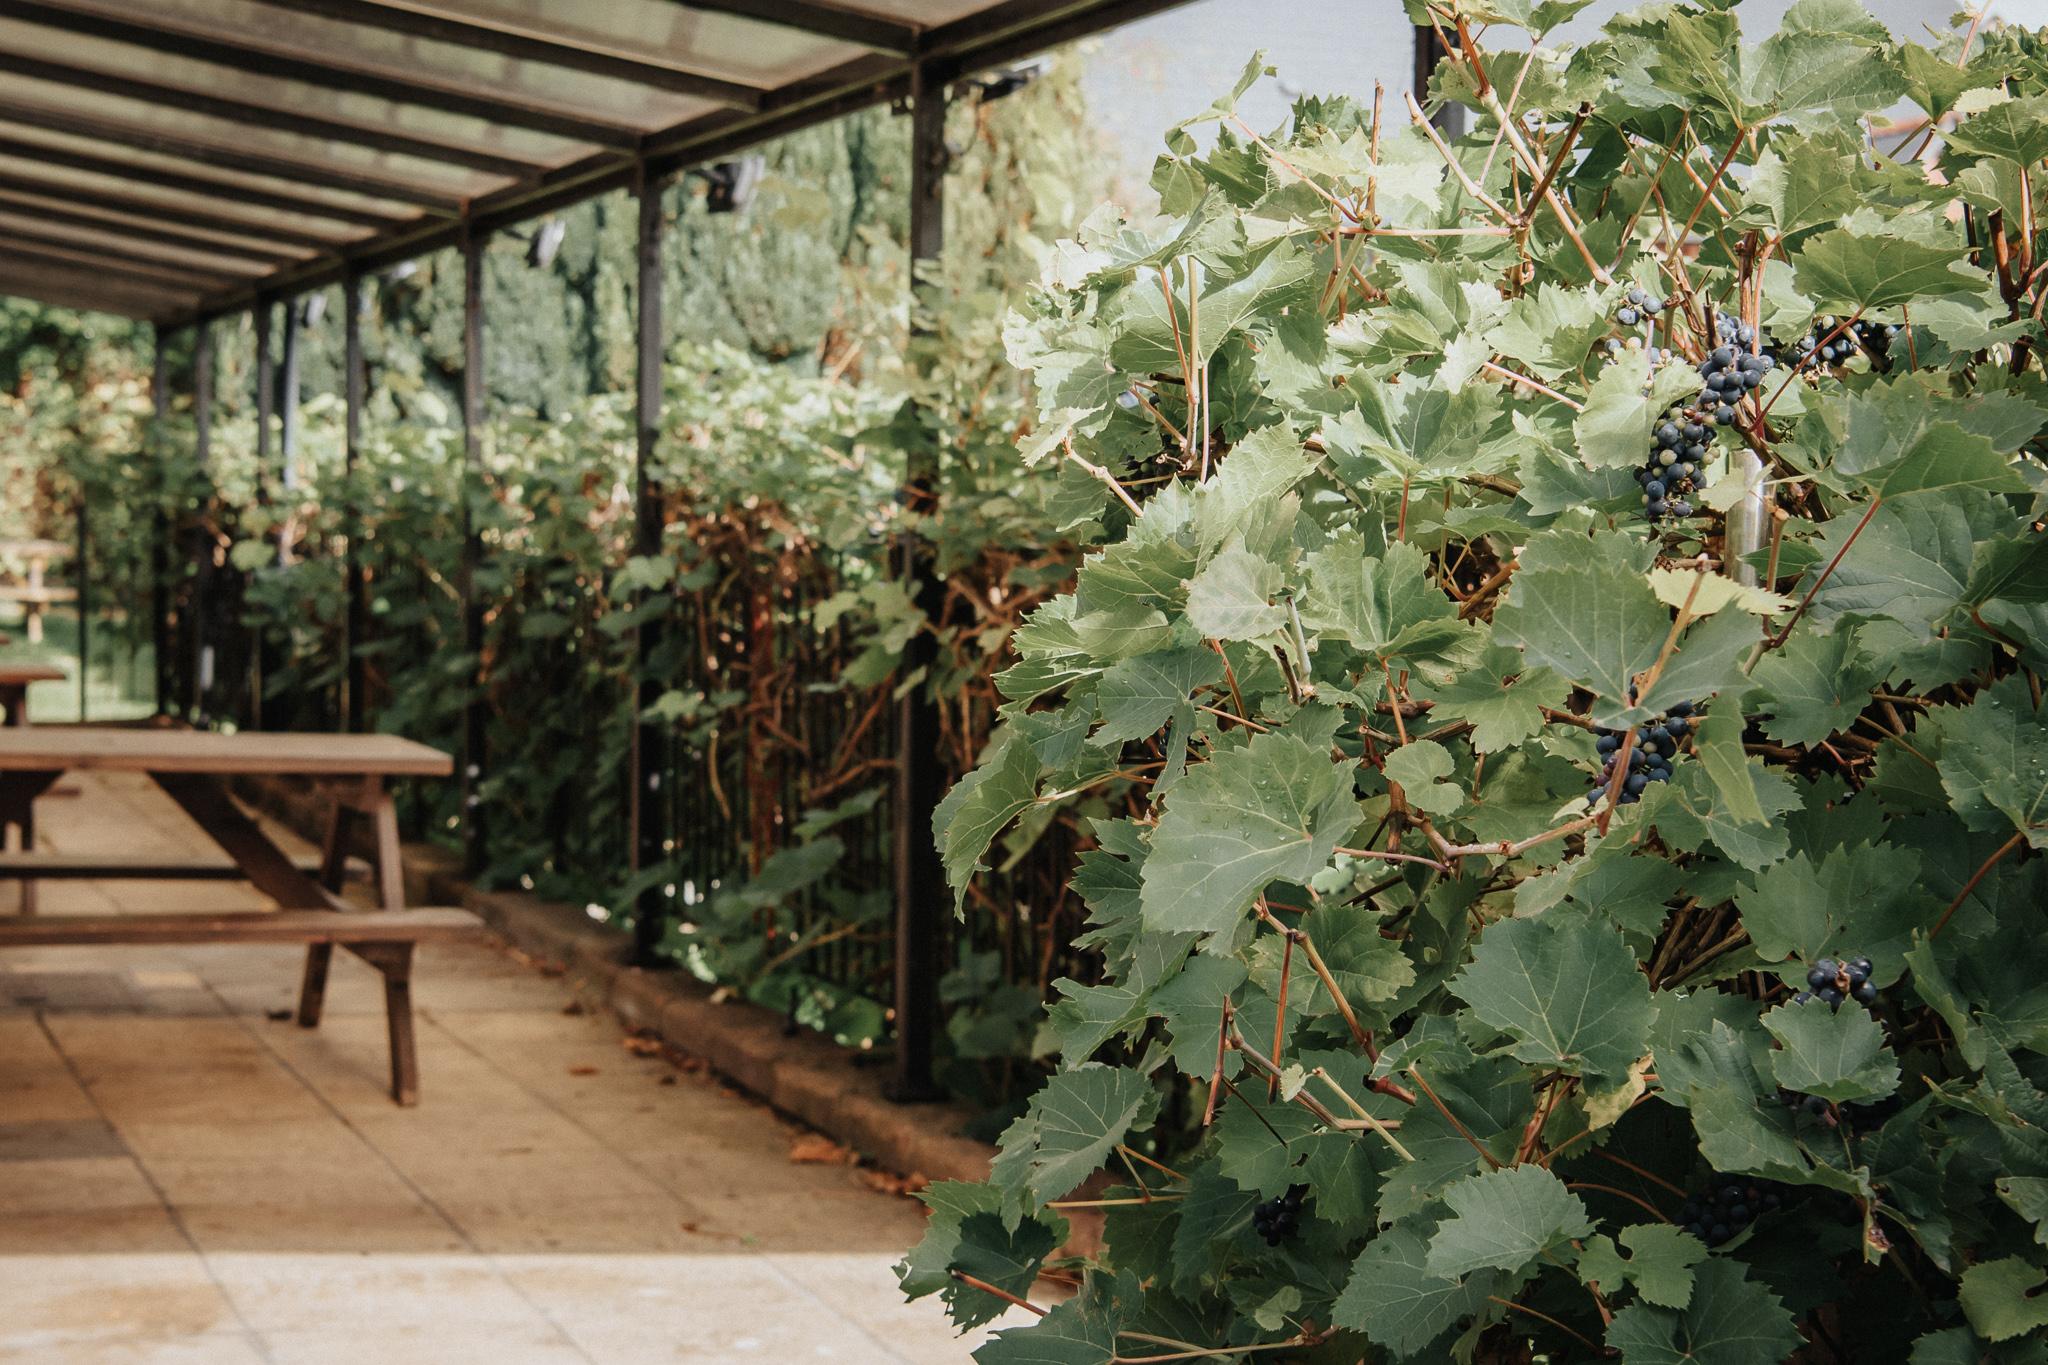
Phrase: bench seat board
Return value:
(251, 926)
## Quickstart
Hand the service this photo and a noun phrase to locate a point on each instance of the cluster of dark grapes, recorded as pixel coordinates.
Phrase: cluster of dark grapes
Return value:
(1640, 307)
(1835, 982)
(1731, 369)
(1671, 473)
(1278, 1219)
(1649, 758)
(1874, 339)
(1731, 1205)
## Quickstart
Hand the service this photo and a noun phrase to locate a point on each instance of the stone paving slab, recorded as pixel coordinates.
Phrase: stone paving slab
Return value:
(186, 1176)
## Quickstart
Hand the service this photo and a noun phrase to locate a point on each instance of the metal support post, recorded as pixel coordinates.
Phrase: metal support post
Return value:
(647, 801)
(160, 585)
(199, 655)
(354, 383)
(922, 901)
(474, 713)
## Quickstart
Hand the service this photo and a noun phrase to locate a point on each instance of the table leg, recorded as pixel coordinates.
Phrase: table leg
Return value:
(394, 960)
(269, 869)
(18, 793)
(14, 701)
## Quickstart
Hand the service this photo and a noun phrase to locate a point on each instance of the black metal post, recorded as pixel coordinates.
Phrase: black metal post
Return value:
(83, 561)
(199, 655)
(1429, 50)
(160, 584)
(474, 713)
(266, 395)
(647, 804)
(288, 417)
(354, 383)
(921, 898)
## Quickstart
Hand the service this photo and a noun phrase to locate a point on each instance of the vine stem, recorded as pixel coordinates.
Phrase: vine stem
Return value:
(1527, 382)
(2019, 837)
(1637, 1200)
(1444, 1109)
(1587, 1341)
(1391, 857)
(1784, 632)
(1123, 494)
(1005, 1295)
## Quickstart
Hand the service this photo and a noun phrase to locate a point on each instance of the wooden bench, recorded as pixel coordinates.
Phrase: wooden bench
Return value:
(383, 938)
(192, 768)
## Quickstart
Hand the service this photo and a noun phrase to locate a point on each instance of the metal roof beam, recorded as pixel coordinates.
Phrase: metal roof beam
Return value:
(212, 189)
(524, 46)
(873, 31)
(258, 253)
(84, 197)
(326, 174)
(159, 34)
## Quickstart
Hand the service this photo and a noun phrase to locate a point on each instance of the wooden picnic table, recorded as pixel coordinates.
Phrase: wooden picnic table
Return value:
(194, 768)
(14, 684)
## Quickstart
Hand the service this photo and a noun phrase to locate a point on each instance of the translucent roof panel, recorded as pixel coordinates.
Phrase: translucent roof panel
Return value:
(376, 76)
(666, 33)
(62, 115)
(182, 158)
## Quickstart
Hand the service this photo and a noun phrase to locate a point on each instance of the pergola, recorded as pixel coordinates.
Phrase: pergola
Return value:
(178, 161)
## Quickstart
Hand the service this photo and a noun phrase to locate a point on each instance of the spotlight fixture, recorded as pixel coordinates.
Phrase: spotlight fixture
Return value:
(546, 243)
(1008, 80)
(730, 185)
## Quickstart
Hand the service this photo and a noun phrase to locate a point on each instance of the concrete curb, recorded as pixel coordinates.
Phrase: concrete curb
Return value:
(805, 1075)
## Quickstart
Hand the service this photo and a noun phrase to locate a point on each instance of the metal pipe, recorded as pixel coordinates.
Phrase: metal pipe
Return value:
(1747, 518)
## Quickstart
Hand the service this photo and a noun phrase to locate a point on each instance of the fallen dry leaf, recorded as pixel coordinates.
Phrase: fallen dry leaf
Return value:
(642, 1045)
(815, 1149)
(582, 1071)
(883, 1182)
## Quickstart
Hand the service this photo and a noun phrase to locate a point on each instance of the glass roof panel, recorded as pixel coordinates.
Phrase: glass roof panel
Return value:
(24, 224)
(359, 48)
(141, 226)
(148, 198)
(103, 123)
(663, 31)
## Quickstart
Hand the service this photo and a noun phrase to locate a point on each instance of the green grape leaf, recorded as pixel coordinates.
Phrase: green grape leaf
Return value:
(1002, 786)
(1500, 697)
(1384, 607)
(1623, 408)
(1730, 1320)
(1074, 1121)
(1395, 1301)
(1659, 1263)
(1994, 760)
(2004, 1299)
(1844, 271)
(1420, 766)
(1270, 811)
(1566, 990)
(1231, 598)
(1814, 686)
(966, 1232)
(1597, 625)
(1137, 696)
(1836, 1054)
(1504, 1219)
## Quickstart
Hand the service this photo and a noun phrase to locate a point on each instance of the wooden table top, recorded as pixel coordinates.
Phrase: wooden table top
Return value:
(15, 674)
(72, 748)
(36, 549)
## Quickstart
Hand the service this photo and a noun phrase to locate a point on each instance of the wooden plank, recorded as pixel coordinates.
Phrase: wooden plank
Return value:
(242, 926)
(11, 592)
(62, 867)
(20, 675)
(205, 799)
(81, 747)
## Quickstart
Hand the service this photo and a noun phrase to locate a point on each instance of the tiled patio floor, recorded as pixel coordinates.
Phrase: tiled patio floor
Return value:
(185, 1177)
